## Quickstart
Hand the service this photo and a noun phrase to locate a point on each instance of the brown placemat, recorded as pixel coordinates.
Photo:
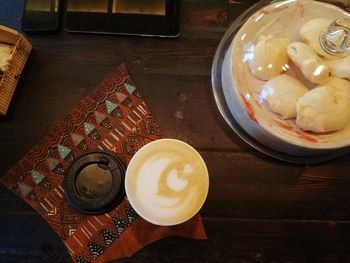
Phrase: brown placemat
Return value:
(114, 118)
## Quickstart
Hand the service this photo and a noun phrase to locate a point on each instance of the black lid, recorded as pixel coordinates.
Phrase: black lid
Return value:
(95, 182)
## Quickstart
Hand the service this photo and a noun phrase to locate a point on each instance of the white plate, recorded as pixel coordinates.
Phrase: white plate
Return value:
(241, 89)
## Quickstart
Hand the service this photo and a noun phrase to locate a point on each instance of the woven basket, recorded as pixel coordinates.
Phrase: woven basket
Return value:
(19, 57)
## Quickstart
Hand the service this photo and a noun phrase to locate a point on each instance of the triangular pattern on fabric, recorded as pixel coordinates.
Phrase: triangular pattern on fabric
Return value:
(121, 97)
(130, 213)
(80, 259)
(88, 128)
(96, 250)
(63, 151)
(25, 189)
(110, 106)
(109, 237)
(52, 162)
(129, 88)
(37, 177)
(100, 117)
(76, 138)
(120, 225)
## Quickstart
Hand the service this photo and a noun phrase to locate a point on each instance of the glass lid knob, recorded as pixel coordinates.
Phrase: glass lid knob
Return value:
(336, 39)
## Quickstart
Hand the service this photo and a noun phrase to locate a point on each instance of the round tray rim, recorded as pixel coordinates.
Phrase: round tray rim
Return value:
(224, 110)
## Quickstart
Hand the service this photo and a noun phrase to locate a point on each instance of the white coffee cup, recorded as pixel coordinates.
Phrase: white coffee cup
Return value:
(167, 182)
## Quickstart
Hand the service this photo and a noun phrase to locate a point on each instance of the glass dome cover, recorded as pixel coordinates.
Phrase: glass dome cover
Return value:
(256, 55)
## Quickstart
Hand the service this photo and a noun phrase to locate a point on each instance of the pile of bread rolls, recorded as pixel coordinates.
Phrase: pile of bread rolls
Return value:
(325, 107)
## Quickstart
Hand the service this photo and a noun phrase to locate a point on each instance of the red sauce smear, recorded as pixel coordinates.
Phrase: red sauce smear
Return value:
(284, 126)
(249, 109)
(313, 133)
(304, 136)
(300, 134)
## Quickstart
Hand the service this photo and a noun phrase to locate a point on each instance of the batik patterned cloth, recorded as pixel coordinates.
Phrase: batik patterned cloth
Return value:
(113, 118)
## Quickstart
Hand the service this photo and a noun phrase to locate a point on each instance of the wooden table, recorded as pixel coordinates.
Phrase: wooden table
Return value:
(258, 209)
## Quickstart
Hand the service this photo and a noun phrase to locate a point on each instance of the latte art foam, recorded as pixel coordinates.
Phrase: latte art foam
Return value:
(167, 182)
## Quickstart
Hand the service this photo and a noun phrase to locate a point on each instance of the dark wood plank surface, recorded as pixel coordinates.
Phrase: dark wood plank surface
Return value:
(258, 209)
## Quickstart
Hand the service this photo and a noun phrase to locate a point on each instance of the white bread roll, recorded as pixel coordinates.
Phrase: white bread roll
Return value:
(282, 93)
(340, 67)
(311, 32)
(323, 109)
(270, 56)
(310, 64)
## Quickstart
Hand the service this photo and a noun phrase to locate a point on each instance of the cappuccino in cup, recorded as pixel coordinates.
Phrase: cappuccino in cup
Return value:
(167, 182)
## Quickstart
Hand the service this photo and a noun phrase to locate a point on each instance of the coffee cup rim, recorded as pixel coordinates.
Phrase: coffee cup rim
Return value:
(127, 176)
